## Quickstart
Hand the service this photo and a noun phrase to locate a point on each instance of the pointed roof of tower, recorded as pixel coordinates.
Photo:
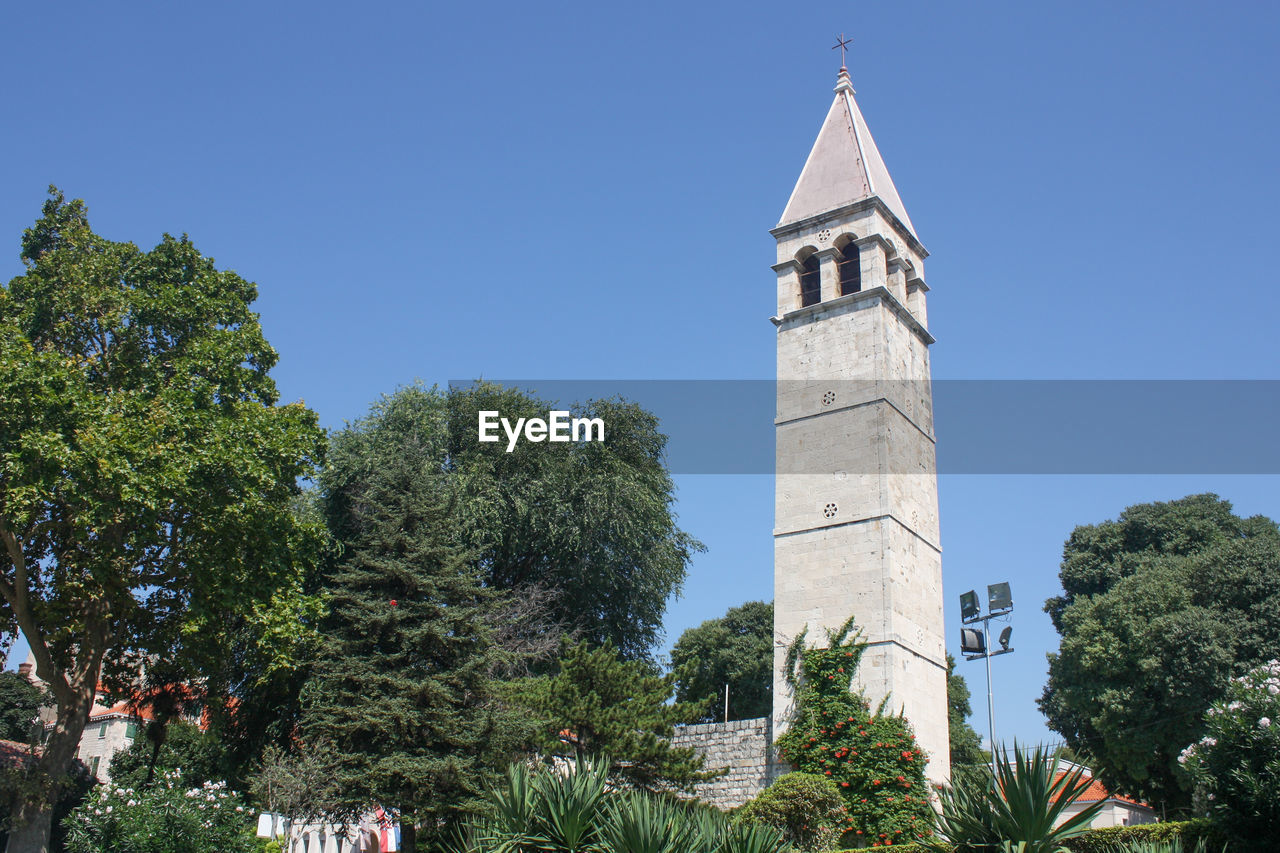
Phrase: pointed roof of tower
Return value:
(844, 166)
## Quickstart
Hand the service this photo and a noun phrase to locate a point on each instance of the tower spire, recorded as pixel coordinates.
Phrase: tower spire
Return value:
(844, 165)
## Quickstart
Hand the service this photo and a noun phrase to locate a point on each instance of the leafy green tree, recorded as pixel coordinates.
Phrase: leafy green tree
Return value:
(737, 650)
(967, 754)
(872, 757)
(301, 784)
(591, 522)
(404, 689)
(1161, 608)
(254, 700)
(198, 756)
(601, 705)
(146, 471)
(19, 704)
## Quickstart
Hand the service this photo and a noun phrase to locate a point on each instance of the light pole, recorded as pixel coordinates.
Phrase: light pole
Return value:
(976, 644)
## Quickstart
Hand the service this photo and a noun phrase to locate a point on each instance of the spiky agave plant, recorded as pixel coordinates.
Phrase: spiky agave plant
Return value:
(710, 827)
(547, 811)
(536, 810)
(1021, 807)
(966, 818)
(515, 806)
(642, 823)
(511, 826)
(570, 806)
(752, 838)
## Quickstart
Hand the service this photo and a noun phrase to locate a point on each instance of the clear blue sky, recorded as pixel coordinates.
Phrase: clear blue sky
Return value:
(444, 191)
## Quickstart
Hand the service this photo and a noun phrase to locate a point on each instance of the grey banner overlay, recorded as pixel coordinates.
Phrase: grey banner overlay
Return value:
(982, 426)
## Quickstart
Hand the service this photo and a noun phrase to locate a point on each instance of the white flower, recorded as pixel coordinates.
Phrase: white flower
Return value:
(1265, 723)
(1209, 741)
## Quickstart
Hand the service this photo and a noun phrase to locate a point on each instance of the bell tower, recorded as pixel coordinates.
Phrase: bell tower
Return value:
(856, 505)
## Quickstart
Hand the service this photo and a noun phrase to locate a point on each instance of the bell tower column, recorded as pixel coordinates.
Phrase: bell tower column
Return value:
(856, 506)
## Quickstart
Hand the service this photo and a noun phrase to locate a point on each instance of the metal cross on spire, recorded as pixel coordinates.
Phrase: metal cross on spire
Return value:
(841, 45)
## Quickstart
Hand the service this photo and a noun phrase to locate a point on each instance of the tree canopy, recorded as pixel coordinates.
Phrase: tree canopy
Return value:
(146, 470)
(598, 705)
(735, 649)
(590, 522)
(966, 744)
(1160, 609)
(19, 704)
(404, 688)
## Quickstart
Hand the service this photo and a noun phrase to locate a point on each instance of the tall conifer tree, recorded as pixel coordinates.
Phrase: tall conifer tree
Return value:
(601, 706)
(404, 689)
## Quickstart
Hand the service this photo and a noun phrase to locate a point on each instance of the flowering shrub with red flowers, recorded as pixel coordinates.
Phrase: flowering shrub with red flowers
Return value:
(872, 758)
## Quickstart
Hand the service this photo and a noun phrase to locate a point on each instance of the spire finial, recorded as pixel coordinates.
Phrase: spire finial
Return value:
(842, 45)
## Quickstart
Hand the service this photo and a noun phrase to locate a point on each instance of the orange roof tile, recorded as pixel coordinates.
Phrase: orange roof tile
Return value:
(12, 752)
(1097, 792)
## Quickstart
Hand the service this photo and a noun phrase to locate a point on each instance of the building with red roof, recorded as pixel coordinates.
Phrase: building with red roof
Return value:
(1117, 810)
(112, 726)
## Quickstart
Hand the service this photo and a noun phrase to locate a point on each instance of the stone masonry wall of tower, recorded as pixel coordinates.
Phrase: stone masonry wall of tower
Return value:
(856, 509)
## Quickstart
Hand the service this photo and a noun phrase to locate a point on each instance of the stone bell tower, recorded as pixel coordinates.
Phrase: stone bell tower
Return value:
(856, 509)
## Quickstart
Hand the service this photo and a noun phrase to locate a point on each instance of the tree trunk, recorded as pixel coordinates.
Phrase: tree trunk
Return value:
(33, 806)
(408, 836)
(32, 825)
(157, 737)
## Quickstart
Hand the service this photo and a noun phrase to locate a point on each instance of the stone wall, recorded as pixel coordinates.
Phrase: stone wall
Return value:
(744, 746)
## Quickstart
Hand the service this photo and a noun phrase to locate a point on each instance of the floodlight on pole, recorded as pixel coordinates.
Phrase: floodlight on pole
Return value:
(976, 643)
(999, 598)
(972, 642)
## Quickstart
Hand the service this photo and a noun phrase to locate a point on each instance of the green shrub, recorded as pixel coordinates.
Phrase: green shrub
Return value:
(1114, 838)
(806, 808)
(1173, 845)
(167, 817)
(1236, 765)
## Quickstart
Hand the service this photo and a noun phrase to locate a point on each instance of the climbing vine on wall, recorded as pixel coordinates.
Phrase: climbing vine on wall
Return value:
(872, 757)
